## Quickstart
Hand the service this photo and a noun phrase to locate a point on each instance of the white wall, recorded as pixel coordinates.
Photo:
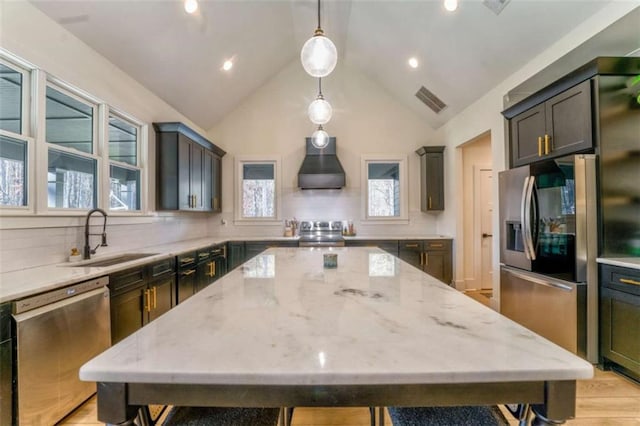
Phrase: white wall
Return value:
(28, 241)
(484, 116)
(366, 120)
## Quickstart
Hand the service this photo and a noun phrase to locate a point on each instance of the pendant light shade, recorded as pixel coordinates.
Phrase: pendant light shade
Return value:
(319, 55)
(320, 111)
(320, 138)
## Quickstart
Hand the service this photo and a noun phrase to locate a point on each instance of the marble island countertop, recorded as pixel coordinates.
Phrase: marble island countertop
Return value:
(26, 282)
(625, 262)
(282, 319)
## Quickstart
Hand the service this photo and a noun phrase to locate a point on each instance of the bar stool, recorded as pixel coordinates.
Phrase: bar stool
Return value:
(219, 416)
(447, 416)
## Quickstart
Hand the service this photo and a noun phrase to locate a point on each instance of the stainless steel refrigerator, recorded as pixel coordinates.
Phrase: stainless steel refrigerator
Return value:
(548, 249)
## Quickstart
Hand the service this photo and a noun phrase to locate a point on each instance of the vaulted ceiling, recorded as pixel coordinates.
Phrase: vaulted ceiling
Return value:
(179, 56)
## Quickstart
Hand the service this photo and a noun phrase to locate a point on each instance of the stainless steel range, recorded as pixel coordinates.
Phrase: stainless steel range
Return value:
(321, 233)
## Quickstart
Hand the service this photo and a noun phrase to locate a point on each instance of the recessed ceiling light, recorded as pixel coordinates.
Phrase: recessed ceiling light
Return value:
(190, 6)
(228, 64)
(413, 62)
(451, 5)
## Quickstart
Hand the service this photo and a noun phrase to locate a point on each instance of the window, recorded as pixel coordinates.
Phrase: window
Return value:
(10, 99)
(384, 188)
(124, 170)
(257, 190)
(16, 147)
(13, 172)
(72, 178)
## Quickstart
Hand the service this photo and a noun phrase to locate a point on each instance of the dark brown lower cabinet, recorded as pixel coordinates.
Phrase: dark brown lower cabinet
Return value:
(432, 256)
(140, 295)
(620, 319)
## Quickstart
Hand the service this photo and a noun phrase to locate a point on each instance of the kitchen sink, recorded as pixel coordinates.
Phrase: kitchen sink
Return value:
(127, 257)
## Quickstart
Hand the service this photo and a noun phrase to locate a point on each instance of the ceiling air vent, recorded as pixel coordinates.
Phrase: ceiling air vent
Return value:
(496, 6)
(430, 100)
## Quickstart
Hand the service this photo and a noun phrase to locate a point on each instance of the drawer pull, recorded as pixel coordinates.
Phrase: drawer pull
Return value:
(147, 301)
(426, 259)
(436, 245)
(203, 255)
(547, 149)
(411, 245)
(155, 297)
(186, 260)
(540, 146)
(189, 272)
(628, 281)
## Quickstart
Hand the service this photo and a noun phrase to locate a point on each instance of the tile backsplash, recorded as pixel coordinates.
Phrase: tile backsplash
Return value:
(26, 248)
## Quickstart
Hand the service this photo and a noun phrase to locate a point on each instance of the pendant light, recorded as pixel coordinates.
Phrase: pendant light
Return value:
(320, 110)
(319, 55)
(320, 138)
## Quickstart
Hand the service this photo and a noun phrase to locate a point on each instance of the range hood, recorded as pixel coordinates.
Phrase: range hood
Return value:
(321, 168)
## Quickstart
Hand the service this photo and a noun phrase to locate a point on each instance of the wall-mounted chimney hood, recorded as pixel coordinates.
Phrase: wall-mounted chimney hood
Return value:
(321, 168)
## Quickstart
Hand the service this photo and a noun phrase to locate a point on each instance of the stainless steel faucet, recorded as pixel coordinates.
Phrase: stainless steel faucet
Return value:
(88, 251)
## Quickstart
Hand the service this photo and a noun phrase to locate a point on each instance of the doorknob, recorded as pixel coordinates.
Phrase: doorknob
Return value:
(485, 235)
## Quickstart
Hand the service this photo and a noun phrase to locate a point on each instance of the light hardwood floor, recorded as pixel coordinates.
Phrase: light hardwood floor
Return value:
(606, 400)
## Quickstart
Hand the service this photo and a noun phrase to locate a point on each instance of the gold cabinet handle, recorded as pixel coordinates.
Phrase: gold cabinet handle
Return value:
(213, 268)
(147, 301)
(436, 245)
(547, 150)
(421, 258)
(186, 260)
(429, 201)
(155, 297)
(411, 245)
(628, 281)
(189, 272)
(539, 146)
(426, 259)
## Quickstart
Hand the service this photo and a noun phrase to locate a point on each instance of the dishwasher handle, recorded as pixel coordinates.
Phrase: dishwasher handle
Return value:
(43, 299)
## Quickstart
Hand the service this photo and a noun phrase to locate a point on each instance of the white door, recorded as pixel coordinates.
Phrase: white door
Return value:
(486, 230)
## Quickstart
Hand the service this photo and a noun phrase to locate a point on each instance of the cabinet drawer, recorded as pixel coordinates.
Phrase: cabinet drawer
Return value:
(124, 280)
(203, 254)
(166, 266)
(411, 245)
(437, 245)
(187, 260)
(621, 279)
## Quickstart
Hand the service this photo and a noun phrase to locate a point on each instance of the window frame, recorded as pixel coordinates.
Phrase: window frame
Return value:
(367, 159)
(97, 152)
(106, 112)
(239, 162)
(25, 134)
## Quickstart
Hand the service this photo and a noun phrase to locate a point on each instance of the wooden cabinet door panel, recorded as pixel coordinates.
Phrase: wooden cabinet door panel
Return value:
(127, 313)
(196, 181)
(216, 184)
(207, 181)
(184, 173)
(186, 284)
(526, 128)
(568, 121)
(162, 296)
(434, 182)
(619, 327)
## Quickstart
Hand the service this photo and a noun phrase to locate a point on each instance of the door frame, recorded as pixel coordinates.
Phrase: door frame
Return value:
(477, 223)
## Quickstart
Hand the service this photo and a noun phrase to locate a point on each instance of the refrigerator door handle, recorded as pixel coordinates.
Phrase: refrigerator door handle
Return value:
(523, 216)
(528, 235)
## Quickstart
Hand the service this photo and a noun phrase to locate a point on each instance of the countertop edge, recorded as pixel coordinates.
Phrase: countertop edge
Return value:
(625, 262)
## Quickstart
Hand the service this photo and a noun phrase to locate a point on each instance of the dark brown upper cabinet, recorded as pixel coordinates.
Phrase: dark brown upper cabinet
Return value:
(188, 169)
(559, 126)
(431, 178)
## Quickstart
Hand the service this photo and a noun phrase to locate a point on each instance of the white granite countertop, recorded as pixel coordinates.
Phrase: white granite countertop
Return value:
(26, 282)
(625, 262)
(282, 319)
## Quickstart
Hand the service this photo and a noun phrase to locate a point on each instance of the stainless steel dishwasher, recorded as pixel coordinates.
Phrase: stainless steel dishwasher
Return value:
(56, 333)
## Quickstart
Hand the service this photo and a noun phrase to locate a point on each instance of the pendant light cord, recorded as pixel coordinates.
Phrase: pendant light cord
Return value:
(319, 15)
(320, 87)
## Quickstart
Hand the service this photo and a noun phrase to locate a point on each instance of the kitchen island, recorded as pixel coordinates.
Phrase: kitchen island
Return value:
(281, 330)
